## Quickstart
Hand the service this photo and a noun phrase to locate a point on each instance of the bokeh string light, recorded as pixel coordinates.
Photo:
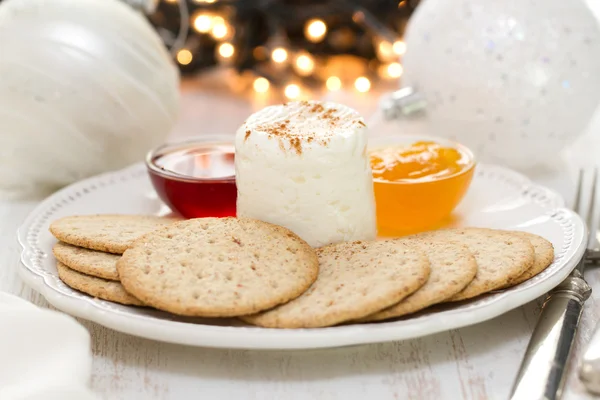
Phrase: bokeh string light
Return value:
(184, 57)
(362, 84)
(261, 85)
(279, 55)
(305, 64)
(333, 83)
(226, 50)
(202, 23)
(293, 47)
(315, 30)
(394, 70)
(292, 91)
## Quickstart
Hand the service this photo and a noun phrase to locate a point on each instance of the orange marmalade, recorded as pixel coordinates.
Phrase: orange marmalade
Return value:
(417, 186)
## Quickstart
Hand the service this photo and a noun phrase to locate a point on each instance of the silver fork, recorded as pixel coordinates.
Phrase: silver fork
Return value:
(589, 371)
(542, 372)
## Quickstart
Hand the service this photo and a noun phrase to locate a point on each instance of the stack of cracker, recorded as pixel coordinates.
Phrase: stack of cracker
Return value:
(89, 247)
(267, 276)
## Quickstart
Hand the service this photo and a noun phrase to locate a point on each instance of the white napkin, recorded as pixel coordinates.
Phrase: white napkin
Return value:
(44, 355)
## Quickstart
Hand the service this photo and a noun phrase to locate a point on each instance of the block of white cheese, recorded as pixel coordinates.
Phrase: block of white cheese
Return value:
(304, 165)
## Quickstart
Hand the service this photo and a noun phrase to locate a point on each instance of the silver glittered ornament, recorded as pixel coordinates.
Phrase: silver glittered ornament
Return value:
(515, 80)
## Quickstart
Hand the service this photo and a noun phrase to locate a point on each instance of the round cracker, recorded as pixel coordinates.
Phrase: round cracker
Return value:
(96, 287)
(89, 262)
(112, 233)
(355, 280)
(544, 256)
(453, 267)
(218, 267)
(501, 257)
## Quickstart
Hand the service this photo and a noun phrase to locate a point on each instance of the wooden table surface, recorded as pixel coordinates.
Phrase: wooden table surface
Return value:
(477, 362)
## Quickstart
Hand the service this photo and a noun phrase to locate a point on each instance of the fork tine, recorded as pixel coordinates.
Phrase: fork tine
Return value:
(590, 215)
(577, 202)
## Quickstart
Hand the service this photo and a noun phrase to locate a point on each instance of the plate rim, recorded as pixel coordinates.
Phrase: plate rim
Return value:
(271, 339)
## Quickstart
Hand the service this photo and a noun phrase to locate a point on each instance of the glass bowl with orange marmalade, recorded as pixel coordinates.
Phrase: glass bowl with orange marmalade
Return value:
(418, 181)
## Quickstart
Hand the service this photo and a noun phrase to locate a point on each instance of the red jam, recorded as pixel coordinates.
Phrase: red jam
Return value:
(195, 179)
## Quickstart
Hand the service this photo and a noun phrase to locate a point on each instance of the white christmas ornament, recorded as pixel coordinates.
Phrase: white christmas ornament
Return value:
(87, 86)
(514, 80)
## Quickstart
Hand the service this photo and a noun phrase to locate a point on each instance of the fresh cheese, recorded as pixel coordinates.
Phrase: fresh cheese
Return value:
(304, 165)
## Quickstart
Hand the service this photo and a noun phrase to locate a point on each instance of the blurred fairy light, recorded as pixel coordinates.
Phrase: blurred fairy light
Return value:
(219, 31)
(399, 47)
(292, 91)
(362, 84)
(202, 23)
(226, 50)
(219, 28)
(394, 70)
(279, 55)
(333, 83)
(261, 85)
(184, 57)
(218, 20)
(315, 30)
(385, 51)
(305, 64)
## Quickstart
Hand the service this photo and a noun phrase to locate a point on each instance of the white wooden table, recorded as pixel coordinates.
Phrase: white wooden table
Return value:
(478, 362)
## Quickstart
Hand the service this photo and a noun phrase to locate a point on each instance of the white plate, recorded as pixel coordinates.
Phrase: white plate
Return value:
(498, 198)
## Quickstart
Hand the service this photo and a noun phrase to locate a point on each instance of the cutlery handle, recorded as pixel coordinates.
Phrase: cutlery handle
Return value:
(589, 372)
(542, 372)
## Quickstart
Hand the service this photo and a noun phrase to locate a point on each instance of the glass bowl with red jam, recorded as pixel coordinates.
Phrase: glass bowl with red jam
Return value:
(196, 176)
